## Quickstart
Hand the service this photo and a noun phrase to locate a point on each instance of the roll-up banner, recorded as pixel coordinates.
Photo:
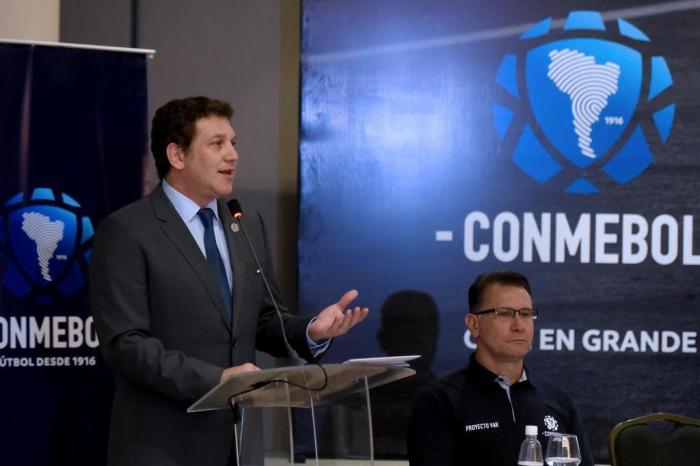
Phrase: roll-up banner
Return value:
(440, 140)
(74, 132)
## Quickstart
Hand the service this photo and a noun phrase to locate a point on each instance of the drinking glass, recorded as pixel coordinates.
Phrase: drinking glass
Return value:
(562, 450)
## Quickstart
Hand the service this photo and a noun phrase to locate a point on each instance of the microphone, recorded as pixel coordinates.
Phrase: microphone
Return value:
(235, 208)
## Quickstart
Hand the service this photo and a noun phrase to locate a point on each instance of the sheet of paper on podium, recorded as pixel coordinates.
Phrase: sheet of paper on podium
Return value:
(393, 361)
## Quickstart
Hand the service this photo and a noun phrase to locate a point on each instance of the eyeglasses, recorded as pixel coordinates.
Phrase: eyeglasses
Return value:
(524, 313)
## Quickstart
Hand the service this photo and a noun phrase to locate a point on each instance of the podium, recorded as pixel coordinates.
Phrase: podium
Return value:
(305, 387)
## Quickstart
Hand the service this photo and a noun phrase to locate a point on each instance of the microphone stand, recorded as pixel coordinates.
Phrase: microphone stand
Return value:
(237, 213)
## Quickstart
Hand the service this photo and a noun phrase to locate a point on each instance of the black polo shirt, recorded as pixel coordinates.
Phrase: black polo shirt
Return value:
(467, 418)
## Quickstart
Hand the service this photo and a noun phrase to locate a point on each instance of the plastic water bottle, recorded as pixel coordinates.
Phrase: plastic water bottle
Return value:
(530, 450)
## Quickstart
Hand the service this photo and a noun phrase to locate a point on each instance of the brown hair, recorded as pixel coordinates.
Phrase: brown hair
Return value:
(483, 281)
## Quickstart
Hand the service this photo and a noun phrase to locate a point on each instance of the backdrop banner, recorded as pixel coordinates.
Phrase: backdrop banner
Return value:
(74, 131)
(443, 139)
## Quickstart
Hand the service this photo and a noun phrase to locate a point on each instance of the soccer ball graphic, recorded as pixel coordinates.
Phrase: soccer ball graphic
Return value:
(571, 103)
(44, 245)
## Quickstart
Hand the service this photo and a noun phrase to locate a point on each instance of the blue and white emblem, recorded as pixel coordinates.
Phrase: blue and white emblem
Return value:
(570, 102)
(46, 240)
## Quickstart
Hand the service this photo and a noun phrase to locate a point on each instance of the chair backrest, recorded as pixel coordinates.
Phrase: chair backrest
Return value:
(660, 439)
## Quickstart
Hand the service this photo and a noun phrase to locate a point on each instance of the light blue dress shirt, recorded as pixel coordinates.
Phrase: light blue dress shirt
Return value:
(187, 210)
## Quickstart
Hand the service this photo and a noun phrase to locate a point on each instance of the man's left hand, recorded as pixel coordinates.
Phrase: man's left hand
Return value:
(336, 320)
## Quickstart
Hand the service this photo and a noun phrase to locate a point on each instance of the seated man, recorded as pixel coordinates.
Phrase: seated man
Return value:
(477, 416)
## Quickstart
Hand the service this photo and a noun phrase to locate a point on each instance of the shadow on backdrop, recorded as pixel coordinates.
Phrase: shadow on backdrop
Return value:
(409, 325)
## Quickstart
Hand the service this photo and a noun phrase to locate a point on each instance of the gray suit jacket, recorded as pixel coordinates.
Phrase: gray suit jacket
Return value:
(164, 330)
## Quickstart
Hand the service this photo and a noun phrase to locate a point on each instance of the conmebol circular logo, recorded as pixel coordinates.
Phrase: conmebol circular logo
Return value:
(578, 104)
(45, 243)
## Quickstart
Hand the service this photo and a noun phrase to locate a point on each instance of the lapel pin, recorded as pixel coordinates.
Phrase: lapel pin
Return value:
(235, 227)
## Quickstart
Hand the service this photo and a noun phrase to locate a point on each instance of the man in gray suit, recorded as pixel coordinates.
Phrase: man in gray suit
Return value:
(177, 301)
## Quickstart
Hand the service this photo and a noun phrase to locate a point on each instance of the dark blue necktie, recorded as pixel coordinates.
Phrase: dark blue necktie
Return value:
(206, 216)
